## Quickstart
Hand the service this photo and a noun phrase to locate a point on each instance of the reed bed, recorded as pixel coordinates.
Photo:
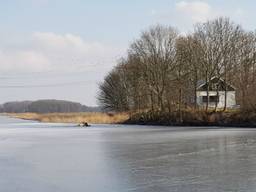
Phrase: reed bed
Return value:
(94, 118)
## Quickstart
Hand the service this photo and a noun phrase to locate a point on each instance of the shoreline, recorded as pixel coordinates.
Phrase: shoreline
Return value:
(195, 118)
(190, 119)
(230, 125)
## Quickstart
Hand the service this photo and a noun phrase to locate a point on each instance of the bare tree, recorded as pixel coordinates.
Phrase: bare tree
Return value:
(113, 91)
(156, 51)
(162, 69)
(245, 70)
(189, 56)
(217, 39)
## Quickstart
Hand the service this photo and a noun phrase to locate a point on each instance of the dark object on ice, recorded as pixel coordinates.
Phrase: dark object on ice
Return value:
(84, 124)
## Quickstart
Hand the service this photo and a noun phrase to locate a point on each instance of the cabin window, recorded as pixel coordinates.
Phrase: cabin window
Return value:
(212, 99)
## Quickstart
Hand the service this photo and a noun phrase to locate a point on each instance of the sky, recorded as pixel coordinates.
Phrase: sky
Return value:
(62, 49)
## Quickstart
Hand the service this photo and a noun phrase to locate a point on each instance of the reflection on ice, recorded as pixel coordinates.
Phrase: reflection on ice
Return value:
(60, 157)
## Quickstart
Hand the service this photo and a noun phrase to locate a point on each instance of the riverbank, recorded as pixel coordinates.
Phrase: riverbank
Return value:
(93, 118)
(183, 118)
(195, 118)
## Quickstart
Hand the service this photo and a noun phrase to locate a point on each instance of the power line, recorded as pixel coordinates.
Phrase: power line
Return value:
(80, 83)
(45, 75)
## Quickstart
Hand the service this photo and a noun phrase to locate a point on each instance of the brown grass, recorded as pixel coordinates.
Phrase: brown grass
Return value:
(94, 118)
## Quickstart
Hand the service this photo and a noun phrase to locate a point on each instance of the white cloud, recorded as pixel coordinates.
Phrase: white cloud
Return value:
(198, 11)
(186, 13)
(55, 52)
(23, 61)
(55, 42)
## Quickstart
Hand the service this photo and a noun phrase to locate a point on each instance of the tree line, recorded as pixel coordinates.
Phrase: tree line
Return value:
(162, 68)
(46, 106)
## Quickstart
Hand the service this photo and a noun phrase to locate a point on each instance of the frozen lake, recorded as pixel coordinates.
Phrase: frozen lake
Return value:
(37, 157)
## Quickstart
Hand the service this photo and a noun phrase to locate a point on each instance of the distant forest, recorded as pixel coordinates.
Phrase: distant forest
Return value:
(46, 106)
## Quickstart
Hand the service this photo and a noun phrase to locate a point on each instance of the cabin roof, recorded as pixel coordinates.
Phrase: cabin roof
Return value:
(202, 85)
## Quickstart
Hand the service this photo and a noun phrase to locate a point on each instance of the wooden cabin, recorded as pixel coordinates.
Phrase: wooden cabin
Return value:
(217, 87)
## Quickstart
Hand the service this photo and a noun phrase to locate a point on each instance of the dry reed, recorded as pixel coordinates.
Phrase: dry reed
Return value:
(94, 118)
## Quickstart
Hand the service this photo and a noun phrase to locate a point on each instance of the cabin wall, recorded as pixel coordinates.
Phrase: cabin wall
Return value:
(231, 99)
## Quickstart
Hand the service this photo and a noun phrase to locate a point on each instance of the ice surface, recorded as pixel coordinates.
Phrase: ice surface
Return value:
(38, 157)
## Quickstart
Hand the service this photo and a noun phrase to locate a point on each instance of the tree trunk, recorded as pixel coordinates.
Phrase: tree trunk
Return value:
(152, 101)
(180, 111)
(207, 102)
(217, 100)
(225, 101)
(195, 95)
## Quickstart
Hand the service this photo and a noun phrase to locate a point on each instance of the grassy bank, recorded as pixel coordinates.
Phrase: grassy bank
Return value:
(94, 118)
(195, 118)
